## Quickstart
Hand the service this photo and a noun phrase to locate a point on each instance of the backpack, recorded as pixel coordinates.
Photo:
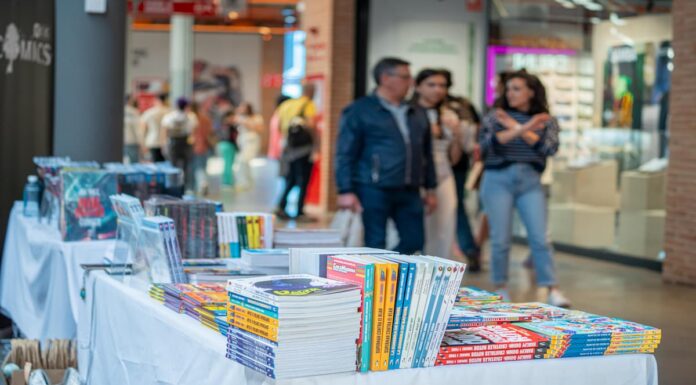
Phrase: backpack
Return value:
(299, 134)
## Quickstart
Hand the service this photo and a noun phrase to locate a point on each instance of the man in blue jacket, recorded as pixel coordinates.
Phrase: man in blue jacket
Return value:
(383, 159)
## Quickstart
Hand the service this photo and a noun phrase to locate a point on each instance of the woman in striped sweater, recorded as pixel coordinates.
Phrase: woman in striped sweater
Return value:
(515, 141)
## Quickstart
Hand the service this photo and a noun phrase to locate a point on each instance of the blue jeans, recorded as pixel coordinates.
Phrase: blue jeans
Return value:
(465, 238)
(517, 186)
(403, 205)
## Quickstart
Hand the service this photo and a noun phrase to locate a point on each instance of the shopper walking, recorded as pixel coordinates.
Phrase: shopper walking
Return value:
(131, 135)
(179, 125)
(384, 157)
(227, 148)
(300, 148)
(515, 141)
(203, 141)
(250, 126)
(431, 91)
(151, 127)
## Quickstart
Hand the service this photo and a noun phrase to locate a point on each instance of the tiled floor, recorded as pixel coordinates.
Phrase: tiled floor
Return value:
(594, 286)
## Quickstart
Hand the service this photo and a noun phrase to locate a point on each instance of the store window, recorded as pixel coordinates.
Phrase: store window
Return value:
(607, 68)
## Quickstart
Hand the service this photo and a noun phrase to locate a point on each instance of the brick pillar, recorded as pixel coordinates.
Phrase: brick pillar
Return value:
(680, 232)
(330, 28)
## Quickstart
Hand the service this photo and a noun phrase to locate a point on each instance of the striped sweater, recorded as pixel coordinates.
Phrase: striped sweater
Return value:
(496, 155)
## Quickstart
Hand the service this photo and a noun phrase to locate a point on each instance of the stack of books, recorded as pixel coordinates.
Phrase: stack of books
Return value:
(144, 180)
(313, 260)
(293, 325)
(86, 212)
(159, 244)
(406, 305)
(216, 270)
(172, 295)
(205, 307)
(474, 296)
(196, 223)
(238, 231)
(594, 336)
(157, 292)
(268, 261)
(292, 238)
(491, 343)
(506, 312)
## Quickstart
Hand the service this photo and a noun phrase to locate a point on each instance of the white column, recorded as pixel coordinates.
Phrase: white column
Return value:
(181, 56)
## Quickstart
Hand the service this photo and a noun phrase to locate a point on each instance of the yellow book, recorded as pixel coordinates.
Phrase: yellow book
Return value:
(248, 313)
(250, 232)
(389, 301)
(257, 231)
(380, 295)
(254, 329)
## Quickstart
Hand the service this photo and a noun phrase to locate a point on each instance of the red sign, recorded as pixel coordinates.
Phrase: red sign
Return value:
(474, 5)
(272, 81)
(169, 7)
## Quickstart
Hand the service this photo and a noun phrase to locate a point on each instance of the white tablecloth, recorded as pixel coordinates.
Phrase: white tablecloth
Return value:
(41, 276)
(127, 338)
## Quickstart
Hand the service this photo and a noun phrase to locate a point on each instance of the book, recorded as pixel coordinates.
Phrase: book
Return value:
(286, 238)
(378, 316)
(86, 211)
(158, 244)
(392, 284)
(294, 325)
(471, 295)
(312, 260)
(360, 271)
(240, 231)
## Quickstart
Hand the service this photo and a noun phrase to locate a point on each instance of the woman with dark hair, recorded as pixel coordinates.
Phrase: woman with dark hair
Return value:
(431, 91)
(515, 141)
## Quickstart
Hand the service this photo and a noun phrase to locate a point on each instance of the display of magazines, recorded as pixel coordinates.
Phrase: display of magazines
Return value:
(238, 231)
(288, 326)
(195, 220)
(160, 247)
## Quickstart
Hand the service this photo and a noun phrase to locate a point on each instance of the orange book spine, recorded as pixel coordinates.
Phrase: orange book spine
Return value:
(380, 295)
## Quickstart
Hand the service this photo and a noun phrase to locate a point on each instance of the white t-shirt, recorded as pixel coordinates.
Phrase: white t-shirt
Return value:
(130, 125)
(152, 118)
(179, 123)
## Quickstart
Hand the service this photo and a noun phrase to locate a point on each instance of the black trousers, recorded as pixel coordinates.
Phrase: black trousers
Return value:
(298, 173)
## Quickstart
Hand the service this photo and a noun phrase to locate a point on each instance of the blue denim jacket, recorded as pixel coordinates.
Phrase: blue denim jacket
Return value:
(372, 150)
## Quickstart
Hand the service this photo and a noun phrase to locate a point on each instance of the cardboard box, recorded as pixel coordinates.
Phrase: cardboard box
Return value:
(594, 185)
(55, 375)
(643, 191)
(582, 225)
(641, 233)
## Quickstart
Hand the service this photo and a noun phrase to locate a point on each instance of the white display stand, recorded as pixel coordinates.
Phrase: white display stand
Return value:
(125, 337)
(41, 276)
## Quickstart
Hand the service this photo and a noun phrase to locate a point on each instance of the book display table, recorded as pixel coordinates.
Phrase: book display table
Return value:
(125, 337)
(41, 276)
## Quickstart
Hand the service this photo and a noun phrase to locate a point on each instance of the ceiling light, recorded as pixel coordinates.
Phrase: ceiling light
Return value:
(232, 15)
(264, 30)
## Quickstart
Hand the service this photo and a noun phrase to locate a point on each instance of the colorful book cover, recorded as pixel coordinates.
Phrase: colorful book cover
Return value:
(86, 210)
(347, 269)
(589, 328)
(378, 320)
(433, 294)
(398, 311)
(492, 337)
(251, 239)
(273, 289)
(389, 306)
(241, 233)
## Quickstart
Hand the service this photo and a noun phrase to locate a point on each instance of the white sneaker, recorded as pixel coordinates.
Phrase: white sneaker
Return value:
(504, 294)
(556, 298)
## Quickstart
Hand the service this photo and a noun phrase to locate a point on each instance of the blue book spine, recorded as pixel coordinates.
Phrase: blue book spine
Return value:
(398, 311)
(434, 292)
(251, 364)
(408, 295)
(271, 311)
(368, 297)
(439, 302)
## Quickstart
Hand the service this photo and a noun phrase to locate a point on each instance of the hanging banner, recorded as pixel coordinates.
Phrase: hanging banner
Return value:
(26, 94)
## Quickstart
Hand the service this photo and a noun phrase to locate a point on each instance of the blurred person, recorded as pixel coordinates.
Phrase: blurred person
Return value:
(250, 126)
(227, 146)
(300, 147)
(384, 156)
(274, 135)
(203, 141)
(132, 142)
(515, 141)
(179, 125)
(464, 246)
(431, 91)
(154, 137)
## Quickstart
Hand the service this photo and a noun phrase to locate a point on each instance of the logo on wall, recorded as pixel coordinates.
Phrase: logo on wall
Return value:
(35, 49)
